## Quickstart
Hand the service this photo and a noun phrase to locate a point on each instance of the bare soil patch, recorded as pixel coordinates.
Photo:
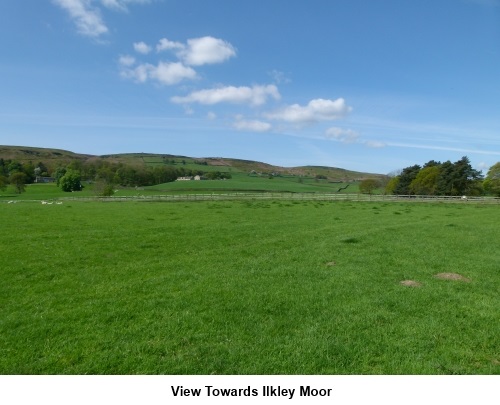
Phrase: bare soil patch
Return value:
(452, 276)
(410, 283)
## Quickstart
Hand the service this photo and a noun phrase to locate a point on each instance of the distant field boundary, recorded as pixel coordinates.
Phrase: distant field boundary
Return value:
(279, 196)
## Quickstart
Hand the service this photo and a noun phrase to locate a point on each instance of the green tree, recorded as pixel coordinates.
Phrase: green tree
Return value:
(432, 163)
(367, 186)
(445, 179)
(405, 178)
(41, 169)
(458, 178)
(492, 181)
(392, 184)
(4, 168)
(14, 167)
(59, 173)
(29, 171)
(76, 165)
(3, 182)
(216, 175)
(71, 181)
(107, 173)
(103, 188)
(465, 178)
(426, 181)
(18, 180)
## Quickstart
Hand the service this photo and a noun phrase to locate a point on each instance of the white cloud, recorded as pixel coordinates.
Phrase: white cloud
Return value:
(164, 44)
(211, 116)
(126, 60)
(86, 14)
(199, 51)
(166, 73)
(253, 126)
(142, 47)
(113, 4)
(255, 95)
(206, 50)
(342, 135)
(316, 110)
(172, 73)
(140, 73)
(121, 5)
(88, 19)
(279, 77)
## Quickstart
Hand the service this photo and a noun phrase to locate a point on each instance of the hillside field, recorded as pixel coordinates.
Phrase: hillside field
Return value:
(239, 183)
(53, 158)
(249, 287)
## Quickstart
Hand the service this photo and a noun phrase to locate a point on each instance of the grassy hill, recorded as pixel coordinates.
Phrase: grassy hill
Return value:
(28, 153)
(55, 157)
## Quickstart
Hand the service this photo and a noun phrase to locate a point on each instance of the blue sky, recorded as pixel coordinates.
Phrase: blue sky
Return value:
(369, 85)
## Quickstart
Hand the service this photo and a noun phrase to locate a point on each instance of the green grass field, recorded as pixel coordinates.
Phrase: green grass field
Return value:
(239, 183)
(244, 182)
(272, 287)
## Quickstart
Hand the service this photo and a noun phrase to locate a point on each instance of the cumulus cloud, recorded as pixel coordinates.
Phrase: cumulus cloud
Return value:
(255, 95)
(172, 73)
(195, 52)
(88, 19)
(142, 47)
(252, 125)
(140, 73)
(316, 110)
(342, 135)
(199, 51)
(167, 73)
(206, 50)
(164, 45)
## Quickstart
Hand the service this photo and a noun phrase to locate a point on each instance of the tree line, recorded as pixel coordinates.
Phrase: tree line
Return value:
(103, 174)
(445, 179)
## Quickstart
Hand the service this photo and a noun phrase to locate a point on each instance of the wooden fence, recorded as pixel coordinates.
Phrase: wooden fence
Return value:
(289, 196)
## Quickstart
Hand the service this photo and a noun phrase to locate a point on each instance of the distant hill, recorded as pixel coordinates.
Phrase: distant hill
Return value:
(55, 157)
(28, 153)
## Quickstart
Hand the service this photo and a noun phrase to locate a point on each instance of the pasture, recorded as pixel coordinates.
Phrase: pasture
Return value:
(249, 287)
(239, 183)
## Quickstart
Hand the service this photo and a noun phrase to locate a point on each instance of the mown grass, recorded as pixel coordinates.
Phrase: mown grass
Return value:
(248, 288)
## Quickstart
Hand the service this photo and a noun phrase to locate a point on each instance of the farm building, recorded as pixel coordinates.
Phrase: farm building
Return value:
(40, 179)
